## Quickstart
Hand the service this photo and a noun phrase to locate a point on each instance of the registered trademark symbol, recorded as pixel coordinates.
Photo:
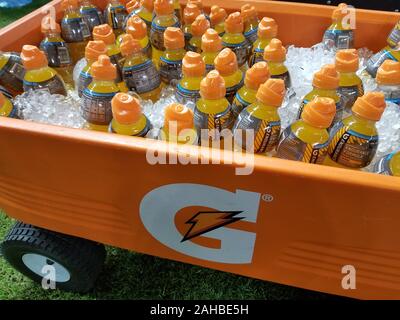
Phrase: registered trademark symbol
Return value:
(267, 197)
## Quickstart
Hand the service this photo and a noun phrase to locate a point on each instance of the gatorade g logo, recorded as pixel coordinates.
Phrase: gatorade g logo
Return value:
(160, 210)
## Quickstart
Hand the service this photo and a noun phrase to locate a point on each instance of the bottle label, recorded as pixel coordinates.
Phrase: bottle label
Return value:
(54, 85)
(338, 116)
(185, 95)
(147, 50)
(142, 133)
(256, 56)
(350, 148)
(96, 107)
(92, 16)
(118, 60)
(157, 35)
(57, 54)
(377, 60)
(383, 165)
(238, 104)
(350, 94)
(116, 17)
(266, 133)
(12, 74)
(213, 121)
(6, 93)
(170, 70)
(231, 91)
(209, 67)
(142, 78)
(290, 147)
(393, 96)
(339, 39)
(285, 77)
(193, 48)
(394, 37)
(85, 79)
(75, 30)
(240, 49)
(251, 35)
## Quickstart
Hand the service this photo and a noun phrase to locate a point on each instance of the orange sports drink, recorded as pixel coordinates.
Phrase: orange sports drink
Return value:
(267, 30)
(211, 46)
(91, 14)
(389, 165)
(115, 15)
(275, 56)
(388, 80)
(137, 28)
(217, 18)
(199, 27)
(251, 21)
(144, 9)
(11, 72)
(7, 109)
(190, 14)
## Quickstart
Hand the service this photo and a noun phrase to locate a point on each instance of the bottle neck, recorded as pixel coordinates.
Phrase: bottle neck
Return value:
(52, 34)
(104, 82)
(322, 91)
(363, 120)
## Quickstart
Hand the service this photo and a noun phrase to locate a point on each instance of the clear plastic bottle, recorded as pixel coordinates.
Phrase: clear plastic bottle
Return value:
(132, 8)
(267, 30)
(251, 21)
(7, 109)
(389, 165)
(56, 50)
(190, 14)
(199, 27)
(307, 140)
(139, 72)
(354, 140)
(171, 60)
(115, 15)
(217, 18)
(275, 56)
(193, 70)
(379, 58)
(39, 76)
(262, 117)
(145, 12)
(246, 95)
(177, 9)
(137, 28)
(199, 4)
(12, 72)
(128, 118)
(96, 98)
(388, 80)
(227, 66)
(91, 14)
(394, 37)
(211, 46)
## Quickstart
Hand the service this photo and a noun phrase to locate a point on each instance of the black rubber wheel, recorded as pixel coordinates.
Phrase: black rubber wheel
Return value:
(76, 262)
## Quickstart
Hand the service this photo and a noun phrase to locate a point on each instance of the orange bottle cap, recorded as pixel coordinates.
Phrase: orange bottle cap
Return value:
(136, 27)
(33, 58)
(389, 73)
(104, 32)
(217, 15)
(319, 112)
(129, 45)
(193, 65)
(180, 116)
(275, 51)
(198, 3)
(200, 25)
(347, 60)
(271, 92)
(248, 12)
(69, 4)
(370, 106)
(226, 62)
(190, 13)
(174, 38)
(125, 108)
(94, 49)
(211, 41)
(147, 4)
(103, 69)
(267, 28)
(234, 23)
(256, 75)
(163, 7)
(50, 25)
(327, 78)
(132, 5)
(2, 99)
(340, 12)
(212, 87)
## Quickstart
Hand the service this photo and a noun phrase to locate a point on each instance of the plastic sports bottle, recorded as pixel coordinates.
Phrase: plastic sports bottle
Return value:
(262, 117)
(7, 109)
(354, 140)
(96, 98)
(199, 4)
(251, 21)
(171, 59)
(307, 139)
(394, 37)
(350, 85)
(199, 27)
(56, 49)
(267, 30)
(211, 46)
(246, 95)
(389, 165)
(91, 14)
(226, 64)
(193, 70)
(137, 28)
(115, 15)
(177, 9)
(144, 9)
(39, 76)
(190, 14)
(6, 92)
(12, 72)
(217, 18)
(275, 56)
(388, 80)
(132, 8)
(139, 72)
(128, 118)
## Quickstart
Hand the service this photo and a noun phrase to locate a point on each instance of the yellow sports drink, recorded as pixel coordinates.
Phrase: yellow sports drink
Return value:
(91, 14)
(262, 118)
(340, 34)
(165, 17)
(213, 111)
(389, 165)
(171, 59)
(7, 109)
(199, 27)
(74, 30)
(39, 76)
(234, 38)
(115, 15)
(137, 28)
(307, 140)
(394, 37)
(227, 66)
(96, 98)
(128, 118)
(190, 14)
(387, 53)
(178, 125)
(217, 18)
(211, 46)
(11, 72)
(354, 140)
(350, 85)
(93, 51)
(177, 9)
(193, 70)
(325, 84)
(275, 56)
(388, 80)
(251, 21)
(56, 50)
(144, 9)
(139, 72)
(267, 30)
(246, 95)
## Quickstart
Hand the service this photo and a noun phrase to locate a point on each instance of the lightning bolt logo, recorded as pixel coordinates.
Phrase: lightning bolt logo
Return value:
(206, 221)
